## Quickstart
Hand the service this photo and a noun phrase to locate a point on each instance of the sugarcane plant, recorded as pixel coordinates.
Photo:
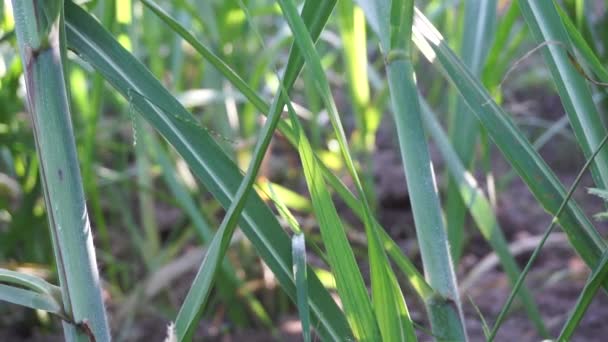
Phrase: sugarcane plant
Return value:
(46, 29)
(41, 36)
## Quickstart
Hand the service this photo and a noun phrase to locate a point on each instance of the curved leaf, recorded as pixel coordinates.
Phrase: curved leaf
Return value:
(30, 299)
(517, 150)
(545, 24)
(314, 15)
(219, 174)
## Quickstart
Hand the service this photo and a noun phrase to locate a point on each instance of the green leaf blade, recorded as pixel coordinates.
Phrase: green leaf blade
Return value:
(299, 269)
(30, 299)
(389, 305)
(546, 26)
(539, 178)
(349, 281)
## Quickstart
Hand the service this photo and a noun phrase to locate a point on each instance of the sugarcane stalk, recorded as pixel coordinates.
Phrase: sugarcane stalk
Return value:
(40, 34)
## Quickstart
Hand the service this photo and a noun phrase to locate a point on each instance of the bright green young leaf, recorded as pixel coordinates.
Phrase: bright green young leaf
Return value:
(349, 281)
(389, 305)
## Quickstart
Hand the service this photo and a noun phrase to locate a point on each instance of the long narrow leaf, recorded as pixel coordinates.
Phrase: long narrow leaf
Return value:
(31, 291)
(30, 299)
(30, 282)
(393, 250)
(349, 281)
(546, 25)
(583, 48)
(201, 287)
(518, 151)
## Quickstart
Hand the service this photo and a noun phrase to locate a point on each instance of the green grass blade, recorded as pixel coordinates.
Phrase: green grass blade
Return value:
(583, 48)
(299, 270)
(31, 299)
(517, 150)
(389, 305)
(546, 25)
(218, 173)
(481, 211)
(31, 291)
(495, 66)
(349, 281)
(351, 22)
(444, 314)
(480, 19)
(417, 280)
(31, 283)
(584, 300)
(433, 300)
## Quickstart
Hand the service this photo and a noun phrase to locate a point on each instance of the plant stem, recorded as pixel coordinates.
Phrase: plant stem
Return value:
(39, 27)
(444, 310)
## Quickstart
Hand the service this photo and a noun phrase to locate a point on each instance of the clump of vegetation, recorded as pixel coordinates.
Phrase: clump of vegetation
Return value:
(229, 153)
